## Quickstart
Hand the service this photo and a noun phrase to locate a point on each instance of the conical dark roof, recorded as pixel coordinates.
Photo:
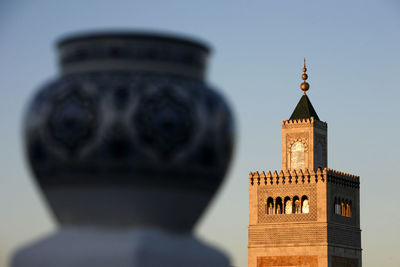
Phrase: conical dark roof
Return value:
(304, 109)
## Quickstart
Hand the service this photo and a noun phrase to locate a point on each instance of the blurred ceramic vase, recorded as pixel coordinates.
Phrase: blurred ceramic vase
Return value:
(130, 134)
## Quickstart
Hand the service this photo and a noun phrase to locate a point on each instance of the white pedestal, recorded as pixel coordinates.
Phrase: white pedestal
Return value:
(91, 247)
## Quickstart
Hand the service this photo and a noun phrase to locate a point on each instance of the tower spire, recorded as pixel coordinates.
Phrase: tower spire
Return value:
(304, 85)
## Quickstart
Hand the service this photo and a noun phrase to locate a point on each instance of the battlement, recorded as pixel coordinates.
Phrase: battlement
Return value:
(342, 178)
(301, 122)
(307, 176)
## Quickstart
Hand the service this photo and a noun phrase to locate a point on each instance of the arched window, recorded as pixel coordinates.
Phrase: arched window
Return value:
(343, 206)
(348, 209)
(288, 205)
(339, 209)
(297, 155)
(270, 206)
(296, 205)
(305, 207)
(278, 203)
(350, 212)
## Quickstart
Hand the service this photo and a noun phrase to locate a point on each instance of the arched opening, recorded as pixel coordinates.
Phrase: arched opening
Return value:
(338, 207)
(305, 205)
(348, 209)
(278, 203)
(270, 206)
(288, 205)
(296, 205)
(297, 155)
(343, 208)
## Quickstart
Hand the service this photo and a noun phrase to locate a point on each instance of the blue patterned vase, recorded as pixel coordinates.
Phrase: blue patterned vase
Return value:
(130, 133)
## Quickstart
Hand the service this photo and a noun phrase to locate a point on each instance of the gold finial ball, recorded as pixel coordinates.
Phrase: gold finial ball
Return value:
(304, 86)
(304, 69)
(304, 76)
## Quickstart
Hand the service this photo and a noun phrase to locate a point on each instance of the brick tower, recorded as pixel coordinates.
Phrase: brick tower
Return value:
(306, 214)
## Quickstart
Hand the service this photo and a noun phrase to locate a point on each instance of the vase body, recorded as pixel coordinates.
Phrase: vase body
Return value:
(129, 133)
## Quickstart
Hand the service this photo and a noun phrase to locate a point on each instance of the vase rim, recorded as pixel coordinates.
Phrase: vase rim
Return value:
(130, 34)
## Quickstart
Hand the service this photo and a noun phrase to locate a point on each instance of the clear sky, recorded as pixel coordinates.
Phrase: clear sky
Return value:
(352, 50)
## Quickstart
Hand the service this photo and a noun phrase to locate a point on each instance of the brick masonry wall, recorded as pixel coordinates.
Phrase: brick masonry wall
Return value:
(343, 192)
(344, 262)
(290, 239)
(290, 234)
(303, 261)
(344, 236)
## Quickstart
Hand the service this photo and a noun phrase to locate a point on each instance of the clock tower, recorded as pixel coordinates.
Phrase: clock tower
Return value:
(305, 214)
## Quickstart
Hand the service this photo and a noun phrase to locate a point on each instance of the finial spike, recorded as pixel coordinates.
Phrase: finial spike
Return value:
(304, 85)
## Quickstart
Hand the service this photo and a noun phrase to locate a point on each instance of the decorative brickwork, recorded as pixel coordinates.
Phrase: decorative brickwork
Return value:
(345, 236)
(320, 227)
(282, 191)
(343, 262)
(303, 261)
(290, 234)
(347, 188)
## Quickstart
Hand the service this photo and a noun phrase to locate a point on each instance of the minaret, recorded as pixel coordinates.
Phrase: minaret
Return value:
(305, 214)
(304, 136)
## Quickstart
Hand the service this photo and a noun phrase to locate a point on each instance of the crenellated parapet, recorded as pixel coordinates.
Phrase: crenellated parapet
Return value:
(342, 178)
(287, 177)
(304, 122)
(307, 176)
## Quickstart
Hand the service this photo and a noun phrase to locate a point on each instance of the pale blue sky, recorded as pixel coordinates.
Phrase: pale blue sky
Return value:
(352, 50)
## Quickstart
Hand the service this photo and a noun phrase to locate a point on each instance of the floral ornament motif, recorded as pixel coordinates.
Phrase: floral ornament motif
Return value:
(72, 120)
(164, 122)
